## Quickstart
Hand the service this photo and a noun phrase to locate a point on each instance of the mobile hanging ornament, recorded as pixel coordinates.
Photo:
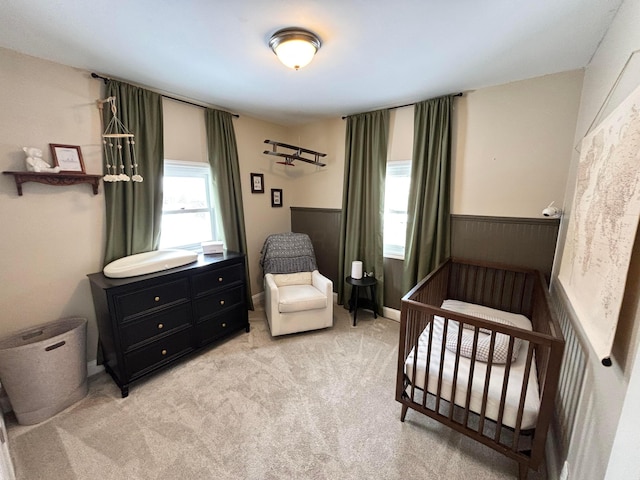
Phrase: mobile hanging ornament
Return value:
(119, 148)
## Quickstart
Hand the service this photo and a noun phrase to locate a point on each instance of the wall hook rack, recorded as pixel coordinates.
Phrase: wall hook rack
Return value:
(296, 154)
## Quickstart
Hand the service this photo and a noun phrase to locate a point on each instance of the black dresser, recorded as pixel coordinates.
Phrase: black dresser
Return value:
(149, 321)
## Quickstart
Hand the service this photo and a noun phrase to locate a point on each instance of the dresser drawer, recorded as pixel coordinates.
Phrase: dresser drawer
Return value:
(149, 327)
(206, 307)
(158, 353)
(153, 297)
(218, 278)
(221, 325)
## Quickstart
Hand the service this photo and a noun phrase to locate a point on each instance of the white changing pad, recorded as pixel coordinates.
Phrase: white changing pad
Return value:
(516, 374)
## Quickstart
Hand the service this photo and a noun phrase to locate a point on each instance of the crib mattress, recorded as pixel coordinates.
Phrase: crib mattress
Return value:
(516, 374)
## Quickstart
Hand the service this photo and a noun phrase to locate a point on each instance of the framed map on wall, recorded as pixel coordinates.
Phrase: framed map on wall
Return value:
(603, 223)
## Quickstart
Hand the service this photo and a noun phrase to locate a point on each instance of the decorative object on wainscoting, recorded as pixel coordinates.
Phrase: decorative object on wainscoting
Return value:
(35, 163)
(551, 211)
(119, 148)
(276, 197)
(297, 153)
(257, 183)
(67, 157)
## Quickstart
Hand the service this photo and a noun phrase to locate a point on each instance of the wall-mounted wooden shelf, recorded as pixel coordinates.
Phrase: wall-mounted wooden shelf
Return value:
(59, 179)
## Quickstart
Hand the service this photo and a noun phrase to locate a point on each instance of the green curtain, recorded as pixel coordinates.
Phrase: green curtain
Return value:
(225, 167)
(134, 210)
(361, 225)
(428, 224)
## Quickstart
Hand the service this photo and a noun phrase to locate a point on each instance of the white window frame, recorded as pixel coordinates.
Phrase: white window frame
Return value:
(180, 168)
(393, 250)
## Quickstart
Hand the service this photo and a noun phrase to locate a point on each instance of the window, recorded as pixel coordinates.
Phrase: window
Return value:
(396, 199)
(188, 215)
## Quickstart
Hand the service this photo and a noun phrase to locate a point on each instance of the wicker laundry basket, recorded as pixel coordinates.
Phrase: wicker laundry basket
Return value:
(44, 369)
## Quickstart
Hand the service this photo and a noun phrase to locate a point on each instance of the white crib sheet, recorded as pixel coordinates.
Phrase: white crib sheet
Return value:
(516, 374)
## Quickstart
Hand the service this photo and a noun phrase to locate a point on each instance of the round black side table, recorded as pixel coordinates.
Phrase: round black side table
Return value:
(356, 301)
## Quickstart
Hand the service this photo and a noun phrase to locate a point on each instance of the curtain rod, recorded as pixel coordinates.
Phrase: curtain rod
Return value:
(105, 80)
(410, 104)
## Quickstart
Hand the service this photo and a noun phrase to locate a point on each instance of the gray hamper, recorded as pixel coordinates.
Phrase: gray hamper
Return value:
(44, 368)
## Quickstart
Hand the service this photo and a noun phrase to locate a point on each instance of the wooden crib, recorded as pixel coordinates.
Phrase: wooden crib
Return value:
(494, 382)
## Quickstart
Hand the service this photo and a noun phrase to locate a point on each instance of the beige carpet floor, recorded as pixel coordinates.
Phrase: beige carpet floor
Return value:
(316, 405)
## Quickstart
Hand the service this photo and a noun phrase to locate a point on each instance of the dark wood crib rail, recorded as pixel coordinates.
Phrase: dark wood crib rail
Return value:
(502, 287)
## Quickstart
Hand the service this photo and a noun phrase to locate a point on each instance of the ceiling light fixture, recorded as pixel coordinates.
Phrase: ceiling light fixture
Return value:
(294, 47)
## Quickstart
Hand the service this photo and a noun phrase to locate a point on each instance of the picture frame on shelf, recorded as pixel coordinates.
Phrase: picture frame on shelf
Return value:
(276, 197)
(67, 157)
(257, 183)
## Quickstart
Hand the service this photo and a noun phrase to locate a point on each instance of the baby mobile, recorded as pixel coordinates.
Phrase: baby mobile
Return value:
(115, 139)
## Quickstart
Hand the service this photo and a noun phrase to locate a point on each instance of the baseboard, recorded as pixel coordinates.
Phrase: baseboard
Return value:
(553, 460)
(391, 313)
(258, 298)
(93, 368)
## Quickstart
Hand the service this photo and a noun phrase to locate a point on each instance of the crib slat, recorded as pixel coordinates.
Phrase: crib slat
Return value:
(487, 381)
(505, 386)
(473, 281)
(443, 349)
(501, 290)
(472, 366)
(514, 290)
(428, 365)
(523, 393)
(493, 292)
(455, 370)
(464, 273)
(522, 292)
(415, 359)
(483, 288)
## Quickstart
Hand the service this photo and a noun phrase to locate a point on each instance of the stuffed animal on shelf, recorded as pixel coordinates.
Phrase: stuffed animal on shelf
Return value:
(35, 162)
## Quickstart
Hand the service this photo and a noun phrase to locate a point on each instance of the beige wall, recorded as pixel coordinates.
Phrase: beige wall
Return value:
(184, 133)
(51, 236)
(514, 141)
(311, 186)
(401, 134)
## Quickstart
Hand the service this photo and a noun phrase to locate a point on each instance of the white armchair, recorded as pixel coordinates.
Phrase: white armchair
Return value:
(298, 302)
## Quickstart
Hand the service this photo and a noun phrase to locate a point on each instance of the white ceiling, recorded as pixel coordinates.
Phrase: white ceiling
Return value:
(375, 53)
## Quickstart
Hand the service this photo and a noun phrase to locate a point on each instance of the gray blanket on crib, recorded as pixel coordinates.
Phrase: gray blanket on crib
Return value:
(288, 253)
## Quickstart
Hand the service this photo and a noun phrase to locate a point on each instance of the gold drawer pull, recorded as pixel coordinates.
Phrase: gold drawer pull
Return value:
(219, 279)
(157, 299)
(164, 352)
(221, 302)
(224, 325)
(160, 326)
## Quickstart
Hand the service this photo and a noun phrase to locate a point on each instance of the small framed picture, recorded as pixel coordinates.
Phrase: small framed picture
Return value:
(276, 197)
(67, 157)
(257, 183)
